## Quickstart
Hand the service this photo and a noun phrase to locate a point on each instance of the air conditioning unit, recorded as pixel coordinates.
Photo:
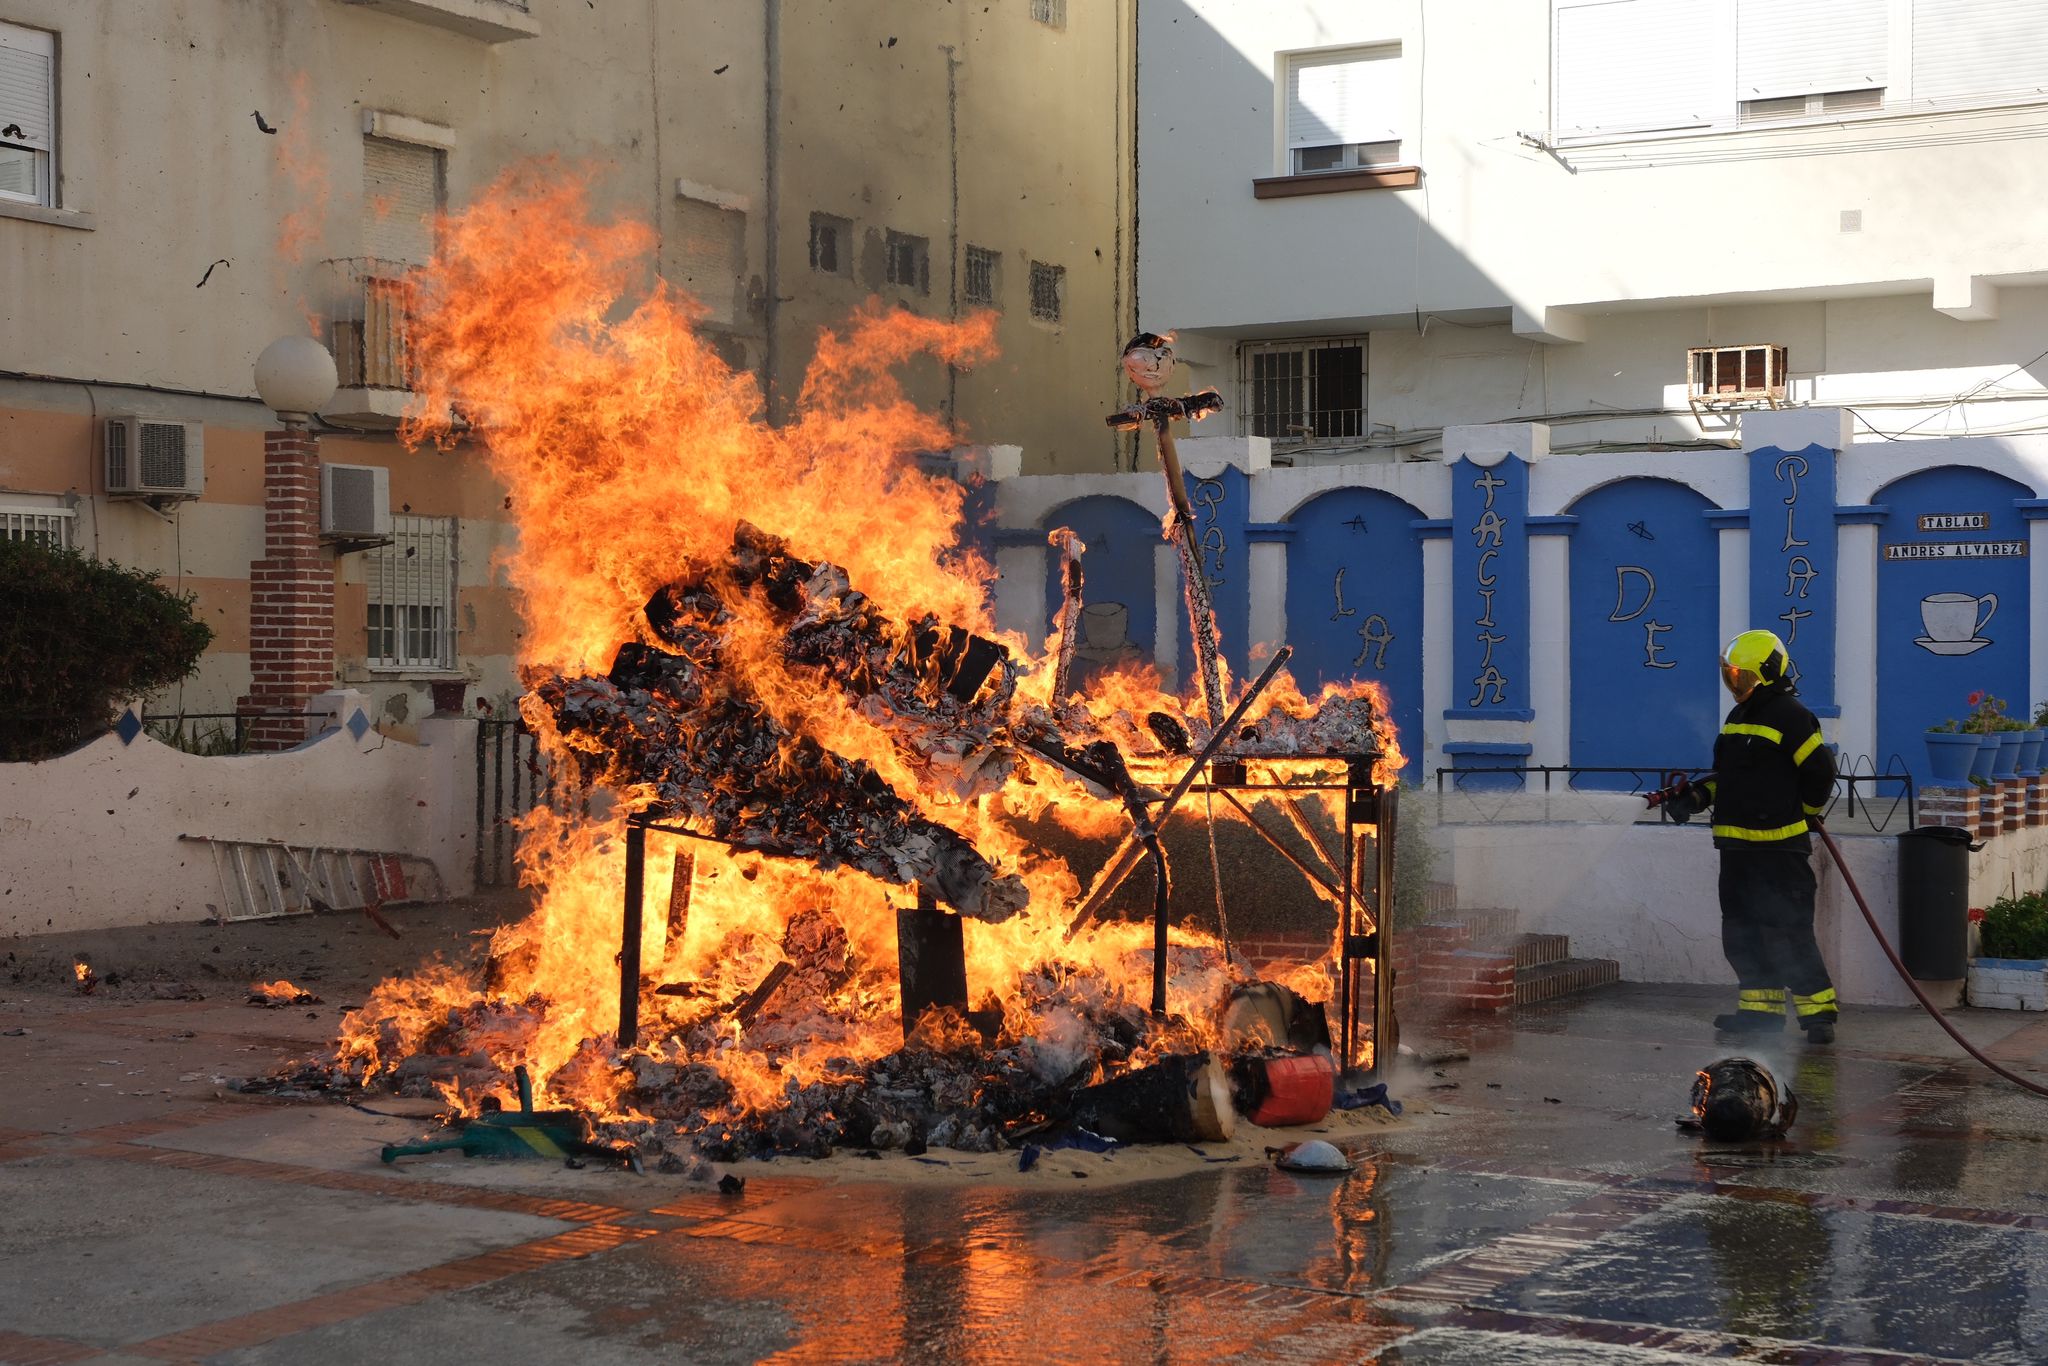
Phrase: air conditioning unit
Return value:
(355, 503)
(161, 461)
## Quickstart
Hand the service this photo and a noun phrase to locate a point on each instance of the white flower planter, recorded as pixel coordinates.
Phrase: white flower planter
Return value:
(2009, 983)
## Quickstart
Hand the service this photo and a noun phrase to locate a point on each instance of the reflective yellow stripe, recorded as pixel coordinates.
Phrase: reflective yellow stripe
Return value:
(1743, 832)
(1820, 1003)
(1768, 1007)
(1811, 810)
(1713, 788)
(538, 1140)
(1764, 994)
(1812, 744)
(1771, 733)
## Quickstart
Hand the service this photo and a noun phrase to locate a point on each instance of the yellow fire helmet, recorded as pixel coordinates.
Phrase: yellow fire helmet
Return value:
(1751, 658)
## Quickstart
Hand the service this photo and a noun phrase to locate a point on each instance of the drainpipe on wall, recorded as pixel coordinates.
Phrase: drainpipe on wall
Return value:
(771, 24)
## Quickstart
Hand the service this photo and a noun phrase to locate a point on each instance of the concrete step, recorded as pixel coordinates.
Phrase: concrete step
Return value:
(1539, 950)
(1552, 980)
(1487, 926)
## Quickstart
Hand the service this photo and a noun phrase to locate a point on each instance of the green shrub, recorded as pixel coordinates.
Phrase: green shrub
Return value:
(79, 637)
(2015, 927)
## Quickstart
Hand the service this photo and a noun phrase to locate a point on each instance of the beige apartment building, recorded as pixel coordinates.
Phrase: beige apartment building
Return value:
(181, 184)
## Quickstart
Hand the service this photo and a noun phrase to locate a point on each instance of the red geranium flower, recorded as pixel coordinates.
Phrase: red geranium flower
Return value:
(1974, 698)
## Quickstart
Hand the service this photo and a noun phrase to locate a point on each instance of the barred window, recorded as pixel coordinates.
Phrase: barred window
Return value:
(1048, 291)
(49, 526)
(412, 595)
(910, 261)
(1051, 13)
(1303, 391)
(980, 284)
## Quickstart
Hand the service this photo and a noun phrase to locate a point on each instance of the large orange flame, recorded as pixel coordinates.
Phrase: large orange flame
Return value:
(631, 452)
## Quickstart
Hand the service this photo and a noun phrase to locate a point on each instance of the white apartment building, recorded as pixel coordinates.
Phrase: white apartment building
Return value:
(1368, 221)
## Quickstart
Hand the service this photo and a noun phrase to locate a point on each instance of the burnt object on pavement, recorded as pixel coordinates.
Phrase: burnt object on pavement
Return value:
(1311, 1158)
(1184, 1097)
(1277, 1091)
(1738, 1100)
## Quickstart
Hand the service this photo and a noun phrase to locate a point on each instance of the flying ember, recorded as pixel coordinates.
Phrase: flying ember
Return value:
(765, 658)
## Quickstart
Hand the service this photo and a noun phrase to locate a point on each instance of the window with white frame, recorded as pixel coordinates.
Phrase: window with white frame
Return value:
(48, 526)
(28, 115)
(411, 620)
(404, 187)
(1343, 109)
(1299, 392)
(831, 244)
(909, 260)
(1051, 13)
(1650, 67)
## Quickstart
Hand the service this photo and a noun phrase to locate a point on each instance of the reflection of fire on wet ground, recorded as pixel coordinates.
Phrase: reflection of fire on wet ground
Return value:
(771, 637)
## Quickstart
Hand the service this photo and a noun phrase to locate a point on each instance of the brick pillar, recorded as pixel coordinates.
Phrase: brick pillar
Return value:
(291, 594)
(1956, 806)
(2013, 794)
(2037, 800)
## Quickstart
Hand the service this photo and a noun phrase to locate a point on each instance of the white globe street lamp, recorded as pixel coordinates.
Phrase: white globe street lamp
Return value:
(295, 375)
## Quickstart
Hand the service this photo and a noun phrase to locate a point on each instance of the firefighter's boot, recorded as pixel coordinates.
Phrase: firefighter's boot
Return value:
(1758, 1010)
(1817, 1015)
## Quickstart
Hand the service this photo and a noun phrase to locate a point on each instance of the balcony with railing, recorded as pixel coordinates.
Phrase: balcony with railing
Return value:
(365, 310)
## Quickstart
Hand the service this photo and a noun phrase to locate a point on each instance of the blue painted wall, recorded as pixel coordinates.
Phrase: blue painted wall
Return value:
(1121, 620)
(1645, 603)
(1354, 600)
(1490, 591)
(1792, 562)
(1221, 507)
(1951, 626)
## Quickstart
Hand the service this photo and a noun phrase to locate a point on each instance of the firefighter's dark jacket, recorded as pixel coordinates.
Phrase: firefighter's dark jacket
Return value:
(1771, 773)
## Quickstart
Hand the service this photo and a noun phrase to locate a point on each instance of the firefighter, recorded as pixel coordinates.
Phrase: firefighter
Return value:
(1772, 775)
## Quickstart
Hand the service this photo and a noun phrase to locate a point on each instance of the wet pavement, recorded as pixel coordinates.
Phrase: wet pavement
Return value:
(1535, 1205)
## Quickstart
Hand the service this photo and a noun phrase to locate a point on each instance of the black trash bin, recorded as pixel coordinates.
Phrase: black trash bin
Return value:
(1934, 902)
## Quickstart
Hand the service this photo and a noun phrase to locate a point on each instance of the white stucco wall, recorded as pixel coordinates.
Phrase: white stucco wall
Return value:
(92, 839)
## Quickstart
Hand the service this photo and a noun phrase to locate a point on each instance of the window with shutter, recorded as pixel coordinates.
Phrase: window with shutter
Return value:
(1343, 109)
(1969, 52)
(411, 608)
(1810, 47)
(28, 114)
(1621, 66)
(711, 249)
(403, 189)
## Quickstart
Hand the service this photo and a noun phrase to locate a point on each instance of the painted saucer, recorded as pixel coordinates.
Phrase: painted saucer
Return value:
(1950, 647)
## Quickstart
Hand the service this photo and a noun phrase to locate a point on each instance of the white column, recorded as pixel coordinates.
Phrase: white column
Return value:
(1437, 629)
(1268, 568)
(1734, 583)
(1856, 641)
(1550, 648)
(1169, 608)
(1020, 592)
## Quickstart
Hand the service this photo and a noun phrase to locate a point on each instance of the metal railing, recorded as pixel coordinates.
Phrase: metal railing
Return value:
(367, 322)
(513, 776)
(1876, 811)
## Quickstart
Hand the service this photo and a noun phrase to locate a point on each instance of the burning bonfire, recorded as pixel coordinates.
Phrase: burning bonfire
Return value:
(811, 760)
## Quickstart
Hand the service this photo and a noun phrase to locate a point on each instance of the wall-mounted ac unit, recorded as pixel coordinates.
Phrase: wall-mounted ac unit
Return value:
(355, 503)
(160, 461)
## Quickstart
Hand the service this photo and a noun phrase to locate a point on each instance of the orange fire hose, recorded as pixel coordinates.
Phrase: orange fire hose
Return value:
(1842, 865)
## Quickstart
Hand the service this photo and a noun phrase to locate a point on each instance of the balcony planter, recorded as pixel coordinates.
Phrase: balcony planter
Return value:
(1949, 755)
(2009, 983)
(1981, 761)
(2005, 764)
(2030, 751)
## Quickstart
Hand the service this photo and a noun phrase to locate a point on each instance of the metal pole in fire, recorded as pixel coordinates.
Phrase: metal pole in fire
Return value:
(1148, 360)
(629, 938)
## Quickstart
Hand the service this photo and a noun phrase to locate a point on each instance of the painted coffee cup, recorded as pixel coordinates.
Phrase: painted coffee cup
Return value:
(1956, 616)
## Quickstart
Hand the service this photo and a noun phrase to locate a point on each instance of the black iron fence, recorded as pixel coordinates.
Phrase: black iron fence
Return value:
(513, 776)
(1875, 799)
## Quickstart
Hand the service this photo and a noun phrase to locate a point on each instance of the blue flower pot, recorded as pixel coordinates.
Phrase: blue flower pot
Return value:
(2004, 766)
(1949, 755)
(2030, 751)
(1986, 755)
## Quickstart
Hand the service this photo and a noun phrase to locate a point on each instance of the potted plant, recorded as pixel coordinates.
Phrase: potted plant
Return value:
(1950, 751)
(2030, 746)
(2011, 972)
(1983, 719)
